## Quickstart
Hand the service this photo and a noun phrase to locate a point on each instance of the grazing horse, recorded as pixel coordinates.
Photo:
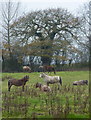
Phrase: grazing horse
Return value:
(47, 68)
(20, 82)
(81, 82)
(51, 79)
(26, 68)
(43, 88)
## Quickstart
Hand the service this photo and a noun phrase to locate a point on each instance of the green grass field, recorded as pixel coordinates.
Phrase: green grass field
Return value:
(67, 102)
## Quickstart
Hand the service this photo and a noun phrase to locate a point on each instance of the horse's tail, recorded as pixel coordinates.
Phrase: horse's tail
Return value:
(60, 80)
(9, 85)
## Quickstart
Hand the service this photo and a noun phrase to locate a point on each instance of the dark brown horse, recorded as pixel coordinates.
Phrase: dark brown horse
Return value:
(20, 82)
(80, 82)
(47, 68)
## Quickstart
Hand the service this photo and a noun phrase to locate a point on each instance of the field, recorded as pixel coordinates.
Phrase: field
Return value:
(67, 102)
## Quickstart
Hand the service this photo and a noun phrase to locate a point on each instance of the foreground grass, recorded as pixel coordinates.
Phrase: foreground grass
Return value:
(68, 102)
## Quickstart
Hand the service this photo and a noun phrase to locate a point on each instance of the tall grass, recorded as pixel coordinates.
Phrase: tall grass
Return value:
(67, 102)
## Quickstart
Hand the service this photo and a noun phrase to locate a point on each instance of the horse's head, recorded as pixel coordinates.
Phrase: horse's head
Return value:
(86, 82)
(38, 85)
(42, 75)
(26, 78)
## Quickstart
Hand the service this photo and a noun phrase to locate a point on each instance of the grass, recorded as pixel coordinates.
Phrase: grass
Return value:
(68, 102)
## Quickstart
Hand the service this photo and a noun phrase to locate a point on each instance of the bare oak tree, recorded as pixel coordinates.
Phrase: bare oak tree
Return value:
(43, 33)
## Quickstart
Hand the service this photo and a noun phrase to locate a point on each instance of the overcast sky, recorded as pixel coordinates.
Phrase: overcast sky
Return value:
(29, 5)
(71, 5)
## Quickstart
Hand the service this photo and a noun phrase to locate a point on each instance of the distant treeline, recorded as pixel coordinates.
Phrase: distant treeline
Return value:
(13, 66)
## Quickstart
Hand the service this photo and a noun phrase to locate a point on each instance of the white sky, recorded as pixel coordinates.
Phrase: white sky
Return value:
(71, 5)
(32, 5)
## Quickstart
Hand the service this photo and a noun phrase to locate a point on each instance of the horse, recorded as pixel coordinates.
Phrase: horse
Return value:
(26, 69)
(43, 88)
(81, 82)
(47, 68)
(51, 79)
(19, 82)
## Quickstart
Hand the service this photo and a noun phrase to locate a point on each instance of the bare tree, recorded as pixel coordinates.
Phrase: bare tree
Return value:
(9, 13)
(84, 34)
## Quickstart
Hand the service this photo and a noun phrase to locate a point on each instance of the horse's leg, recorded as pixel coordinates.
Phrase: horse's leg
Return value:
(60, 81)
(44, 70)
(9, 87)
(47, 84)
(23, 88)
(54, 70)
(58, 86)
(49, 71)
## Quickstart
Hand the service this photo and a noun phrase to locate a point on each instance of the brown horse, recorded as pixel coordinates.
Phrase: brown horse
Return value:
(26, 69)
(20, 82)
(47, 68)
(43, 88)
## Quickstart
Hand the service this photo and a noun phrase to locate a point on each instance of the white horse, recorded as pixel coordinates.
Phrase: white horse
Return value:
(51, 79)
(81, 82)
